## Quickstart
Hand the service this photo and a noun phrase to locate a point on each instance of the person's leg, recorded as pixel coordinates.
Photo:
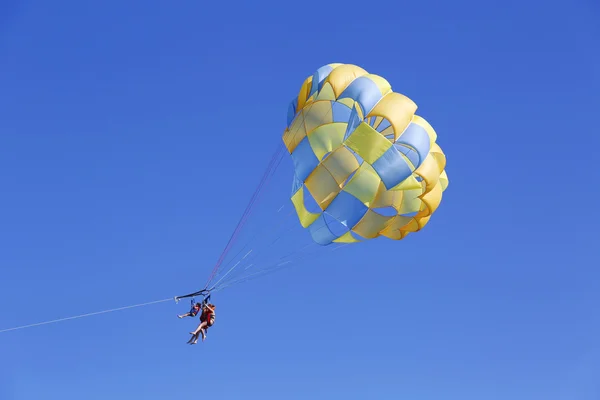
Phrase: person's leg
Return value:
(205, 330)
(194, 339)
(185, 315)
(199, 328)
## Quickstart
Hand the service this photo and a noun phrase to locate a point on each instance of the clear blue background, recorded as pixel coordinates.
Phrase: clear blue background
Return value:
(133, 133)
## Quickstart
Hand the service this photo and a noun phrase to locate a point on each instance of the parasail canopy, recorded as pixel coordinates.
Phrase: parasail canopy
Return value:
(365, 165)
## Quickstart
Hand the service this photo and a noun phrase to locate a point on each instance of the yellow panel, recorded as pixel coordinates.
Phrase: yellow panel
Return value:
(409, 183)
(371, 224)
(439, 155)
(322, 186)
(431, 201)
(394, 234)
(304, 91)
(443, 180)
(346, 238)
(425, 125)
(412, 226)
(394, 228)
(306, 217)
(388, 198)
(410, 202)
(421, 222)
(396, 108)
(295, 134)
(287, 138)
(423, 207)
(340, 164)
(383, 85)
(428, 170)
(364, 184)
(347, 101)
(326, 93)
(325, 138)
(368, 143)
(342, 76)
(320, 113)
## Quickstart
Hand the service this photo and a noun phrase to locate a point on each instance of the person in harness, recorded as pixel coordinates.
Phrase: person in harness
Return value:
(194, 310)
(207, 319)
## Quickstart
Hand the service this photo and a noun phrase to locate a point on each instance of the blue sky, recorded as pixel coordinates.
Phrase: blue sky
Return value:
(133, 133)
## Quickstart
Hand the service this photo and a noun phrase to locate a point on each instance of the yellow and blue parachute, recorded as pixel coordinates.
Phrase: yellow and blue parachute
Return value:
(365, 164)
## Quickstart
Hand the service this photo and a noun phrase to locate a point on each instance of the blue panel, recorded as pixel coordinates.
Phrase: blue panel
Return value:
(416, 137)
(310, 203)
(341, 112)
(292, 111)
(409, 153)
(364, 91)
(391, 168)
(336, 227)
(319, 78)
(305, 160)
(296, 184)
(320, 232)
(353, 122)
(383, 125)
(402, 149)
(385, 211)
(347, 209)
